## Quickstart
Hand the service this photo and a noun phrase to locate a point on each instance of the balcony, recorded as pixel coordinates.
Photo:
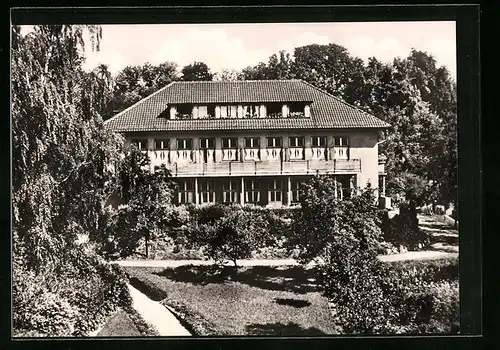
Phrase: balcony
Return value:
(305, 167)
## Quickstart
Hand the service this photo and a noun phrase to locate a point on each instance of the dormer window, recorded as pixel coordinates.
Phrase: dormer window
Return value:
(229, 111)
(274, 110)
(184, 111)
(250, 111)
(296, 110)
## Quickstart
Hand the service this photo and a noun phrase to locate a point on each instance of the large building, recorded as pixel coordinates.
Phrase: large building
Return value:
(253, 141)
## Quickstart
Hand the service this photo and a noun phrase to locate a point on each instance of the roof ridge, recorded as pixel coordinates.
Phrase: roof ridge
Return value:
(233, 81)
(342, 101)
(138, 103)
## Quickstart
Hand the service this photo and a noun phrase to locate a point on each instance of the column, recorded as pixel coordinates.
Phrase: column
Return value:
(307, 111)
(240, 111)
(196, 193)
(263, 147)
(262, 111)
(173, 150)
(335, 185)
(289, 192)
(242, 195)
(218, 150)
(383, 185)
(217, 112)
(173, 112)
(150, 150)
(307, 147)
(284, 110)
(285, 151)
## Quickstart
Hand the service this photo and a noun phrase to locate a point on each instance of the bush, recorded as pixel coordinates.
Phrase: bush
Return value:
(403, 228)
(72, 301)
(233, 236)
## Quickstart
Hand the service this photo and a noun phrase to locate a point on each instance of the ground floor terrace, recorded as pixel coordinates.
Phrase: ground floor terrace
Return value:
(257, 190)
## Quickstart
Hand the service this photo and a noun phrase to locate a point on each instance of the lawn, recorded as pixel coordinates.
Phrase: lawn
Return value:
(279, 301)
(119, 325)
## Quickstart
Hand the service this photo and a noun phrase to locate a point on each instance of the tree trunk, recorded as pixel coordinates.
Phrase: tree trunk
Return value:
(146, 245)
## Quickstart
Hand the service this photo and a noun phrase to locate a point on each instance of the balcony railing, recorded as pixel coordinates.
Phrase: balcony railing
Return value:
(305, 167)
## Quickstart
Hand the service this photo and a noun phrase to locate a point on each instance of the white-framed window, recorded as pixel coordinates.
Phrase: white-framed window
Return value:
(296, 141)
(252, 142)
(229, 142)
(184, 144)
(185, 192)
(275, 191)
(295, 190)
(252, 191)
(207, 143)
(229, 111)
(140, 143)
(207, 191)
(251, 111)
(274, 142)
(341, 141)
(162, 144)
(230, 191)
(318, 141)
(341, 147)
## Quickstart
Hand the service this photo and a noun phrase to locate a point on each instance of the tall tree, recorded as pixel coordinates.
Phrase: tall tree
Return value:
(197, 71)
(60, 149)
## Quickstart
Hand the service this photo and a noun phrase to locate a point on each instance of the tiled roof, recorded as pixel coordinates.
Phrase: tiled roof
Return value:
(327, 111)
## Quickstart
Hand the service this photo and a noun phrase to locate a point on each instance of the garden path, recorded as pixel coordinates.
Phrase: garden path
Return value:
(157, 315)
(419, 255)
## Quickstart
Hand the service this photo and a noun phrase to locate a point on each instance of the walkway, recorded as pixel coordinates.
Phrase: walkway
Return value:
(420, 255)
(157, 315)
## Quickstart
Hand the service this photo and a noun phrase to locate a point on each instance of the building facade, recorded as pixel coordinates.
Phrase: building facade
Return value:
(253, 142)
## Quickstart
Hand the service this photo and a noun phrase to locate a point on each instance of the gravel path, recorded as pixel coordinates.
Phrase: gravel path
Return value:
(421, 255)
(157, 315)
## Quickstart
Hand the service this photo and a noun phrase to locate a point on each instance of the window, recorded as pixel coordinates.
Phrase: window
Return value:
(295, 190)
(207, 191)
(252, 142)
(274, 142)
(184, 111)
(341, 141)
(318, 141)
(341, 147)
(229, 142)
(140, 143)
(161, 144)
(275, 192)
(296, 110)
(251, 111)
(229, 111)
(230, 192)
(252, 191)
(184, 144)
(186, 192)
(296, 141)
(207, 143)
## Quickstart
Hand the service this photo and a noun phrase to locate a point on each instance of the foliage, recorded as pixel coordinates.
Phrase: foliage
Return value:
(148, 211)
(326, 224)
(133, 83)
(197, 71)
(403, 228)
(230, 237)
(69, 302)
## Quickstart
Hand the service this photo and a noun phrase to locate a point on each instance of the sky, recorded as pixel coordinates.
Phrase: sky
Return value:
(236, 46)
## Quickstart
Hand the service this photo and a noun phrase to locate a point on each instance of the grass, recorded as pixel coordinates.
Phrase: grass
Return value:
(119, 325)
(126, 324)
(279, 301)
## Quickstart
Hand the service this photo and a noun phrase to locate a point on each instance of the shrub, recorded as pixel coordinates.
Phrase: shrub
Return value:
(403, 228)
(233, 236)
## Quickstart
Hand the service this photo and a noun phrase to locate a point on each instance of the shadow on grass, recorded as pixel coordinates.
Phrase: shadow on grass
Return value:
(298, 303)
(280, 329)
(294, 279)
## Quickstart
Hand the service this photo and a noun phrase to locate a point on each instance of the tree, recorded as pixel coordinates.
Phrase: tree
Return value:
(227, 75)
(197, 71)
(148, 211)
(60, 148)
